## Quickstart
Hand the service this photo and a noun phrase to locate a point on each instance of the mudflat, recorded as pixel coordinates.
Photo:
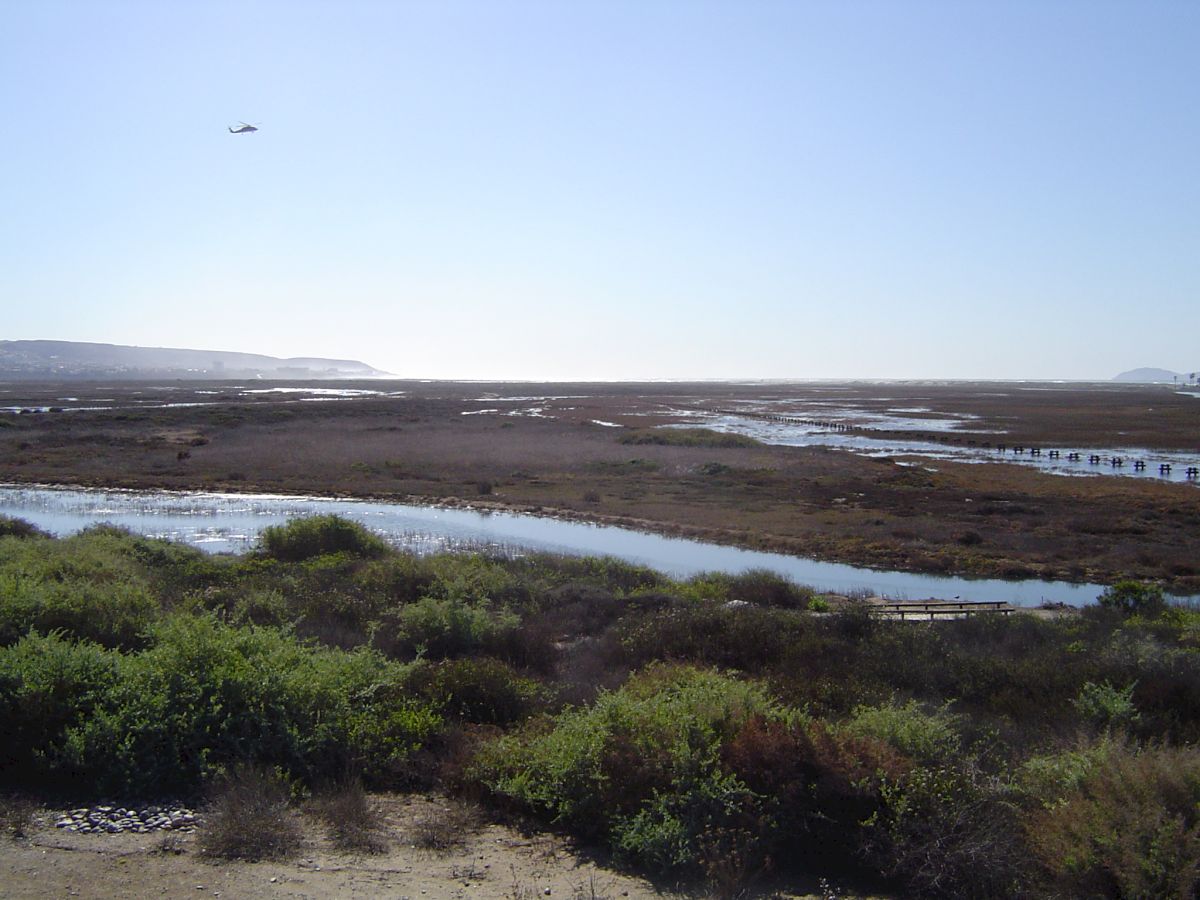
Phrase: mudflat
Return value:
(596, 452)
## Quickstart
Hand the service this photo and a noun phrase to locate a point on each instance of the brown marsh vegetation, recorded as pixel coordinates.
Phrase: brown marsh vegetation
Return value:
(539, 447)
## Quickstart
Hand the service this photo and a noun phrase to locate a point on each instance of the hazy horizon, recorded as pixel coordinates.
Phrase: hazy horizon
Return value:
(611, 191)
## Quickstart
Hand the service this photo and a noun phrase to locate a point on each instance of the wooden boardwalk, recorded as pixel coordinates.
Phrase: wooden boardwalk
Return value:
(1192, 473)
(928, 610)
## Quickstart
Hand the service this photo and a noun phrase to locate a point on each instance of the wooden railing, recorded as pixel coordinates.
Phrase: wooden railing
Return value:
(932, 609)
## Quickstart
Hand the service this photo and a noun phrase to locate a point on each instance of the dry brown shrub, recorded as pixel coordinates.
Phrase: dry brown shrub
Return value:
(1131, 829)
(351, 820)
(248, 817)
(17, 815)
(446, 827)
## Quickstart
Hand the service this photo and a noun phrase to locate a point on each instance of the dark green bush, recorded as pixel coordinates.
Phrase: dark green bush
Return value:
(952, 830)
(312, 536)
(748, 638)
(207, 696)
(483, 691)
(817, 785)
(49, 687)
(1133, 598)
(19, 528)
(442, 627)
(640, 768)
(924, 735)
(760, 587)
(89, 586)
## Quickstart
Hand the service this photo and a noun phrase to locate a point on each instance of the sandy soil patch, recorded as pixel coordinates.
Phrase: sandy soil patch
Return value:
(491, 861)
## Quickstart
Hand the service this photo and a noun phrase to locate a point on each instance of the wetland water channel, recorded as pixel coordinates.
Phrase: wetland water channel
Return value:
(1158, 465)
(231, 523)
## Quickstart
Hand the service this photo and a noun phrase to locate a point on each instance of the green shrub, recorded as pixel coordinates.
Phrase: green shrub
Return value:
(49, 686)
(439, 628)
(952, 830)
(748, 638)
(207, 696)
(311, 536)
(472, 578)
(760, 587)
(1133, 598)
(19, 528)
(639, 768)
(397, 578)
(1107, 706)
(930, 737)
(1047, 780)
(484, 691)
(90, 586)
(1130, 828)
(614, 575)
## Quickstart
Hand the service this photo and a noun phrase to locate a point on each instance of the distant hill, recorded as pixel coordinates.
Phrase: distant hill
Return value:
(25, 360)
(1151, 376)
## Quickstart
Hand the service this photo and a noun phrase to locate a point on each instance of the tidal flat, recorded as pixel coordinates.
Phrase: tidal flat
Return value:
(600, 452)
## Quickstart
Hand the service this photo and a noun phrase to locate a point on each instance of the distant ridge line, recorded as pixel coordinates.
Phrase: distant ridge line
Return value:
(30, 359)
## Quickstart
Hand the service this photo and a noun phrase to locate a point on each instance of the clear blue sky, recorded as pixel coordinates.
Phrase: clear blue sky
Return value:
(610, 189)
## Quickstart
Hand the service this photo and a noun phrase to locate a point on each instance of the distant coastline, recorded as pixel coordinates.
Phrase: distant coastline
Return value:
(76, 360)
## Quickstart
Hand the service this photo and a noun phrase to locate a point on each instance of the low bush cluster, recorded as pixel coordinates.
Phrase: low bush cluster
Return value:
(717, 728)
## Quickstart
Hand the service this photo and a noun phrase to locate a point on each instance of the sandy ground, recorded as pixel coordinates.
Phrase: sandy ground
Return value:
(493, 861)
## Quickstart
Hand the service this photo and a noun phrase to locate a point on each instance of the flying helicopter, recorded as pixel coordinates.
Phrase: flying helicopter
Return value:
(243, 128)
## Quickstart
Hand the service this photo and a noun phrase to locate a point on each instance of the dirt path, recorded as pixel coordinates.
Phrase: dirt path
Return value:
(490, 861)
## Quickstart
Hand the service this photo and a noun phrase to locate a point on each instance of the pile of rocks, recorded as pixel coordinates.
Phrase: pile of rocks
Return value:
(115, 819)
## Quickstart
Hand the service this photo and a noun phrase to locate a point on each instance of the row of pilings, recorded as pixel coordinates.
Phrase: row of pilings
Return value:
(1112, 461)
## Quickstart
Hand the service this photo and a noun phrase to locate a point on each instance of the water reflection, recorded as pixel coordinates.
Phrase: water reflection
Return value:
(888, 445)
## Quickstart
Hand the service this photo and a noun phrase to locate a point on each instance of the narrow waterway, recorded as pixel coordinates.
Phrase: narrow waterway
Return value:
(231, 523)
(1155, 465)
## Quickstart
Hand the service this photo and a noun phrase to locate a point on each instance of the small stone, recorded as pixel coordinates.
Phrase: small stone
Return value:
(63, 822)
(546, 892)
(274, 879)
